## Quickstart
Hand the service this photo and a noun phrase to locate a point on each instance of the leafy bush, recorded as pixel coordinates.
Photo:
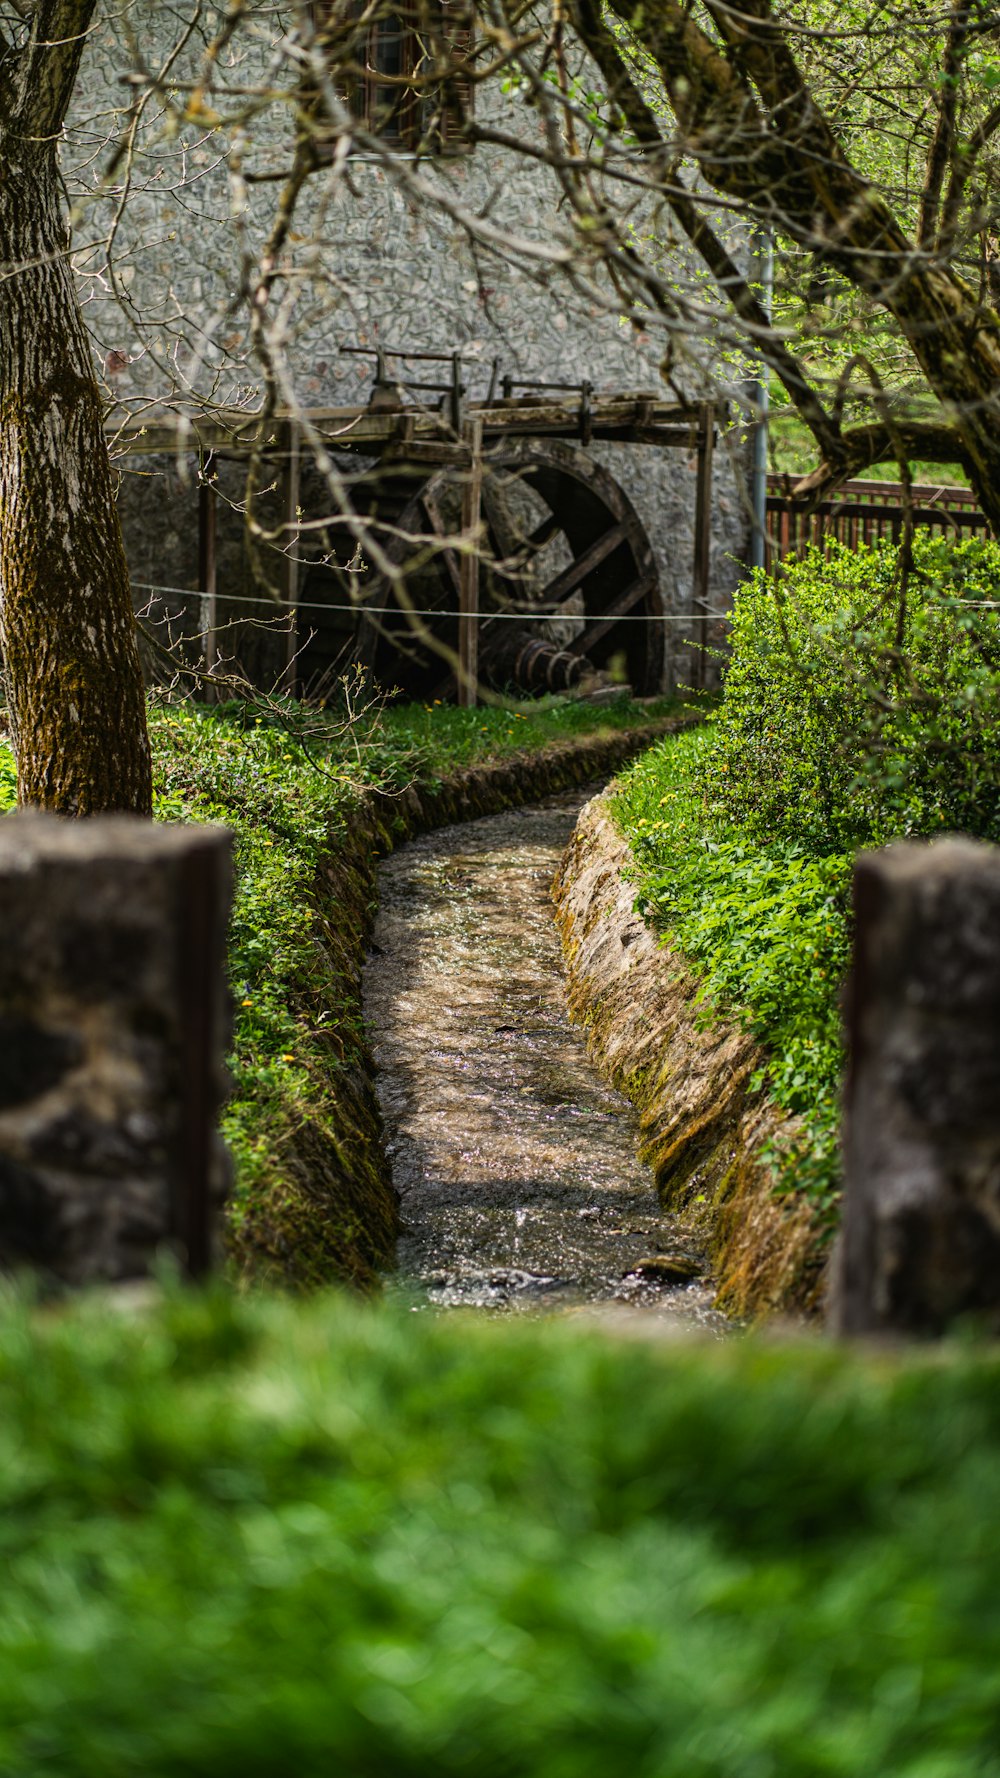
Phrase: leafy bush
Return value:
(249, 1537)
(764, 925)
(841, 728)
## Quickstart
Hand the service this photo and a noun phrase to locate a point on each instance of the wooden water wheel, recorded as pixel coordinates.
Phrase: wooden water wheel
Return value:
(564, 559)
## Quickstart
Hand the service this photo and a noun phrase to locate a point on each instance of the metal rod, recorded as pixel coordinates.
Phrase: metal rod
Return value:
(387, 352)
(521, 615)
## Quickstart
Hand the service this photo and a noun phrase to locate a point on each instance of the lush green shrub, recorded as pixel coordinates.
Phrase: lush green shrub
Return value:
(764, 925)
(846, 721)
(256, 1538)
(841, 726)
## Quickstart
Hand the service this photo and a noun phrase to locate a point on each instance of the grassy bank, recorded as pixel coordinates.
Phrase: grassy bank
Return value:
(290, 786)
(257, 1536)
(852, 716)
(765, 926)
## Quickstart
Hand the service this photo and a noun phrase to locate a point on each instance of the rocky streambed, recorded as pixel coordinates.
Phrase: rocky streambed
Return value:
(515, 1162)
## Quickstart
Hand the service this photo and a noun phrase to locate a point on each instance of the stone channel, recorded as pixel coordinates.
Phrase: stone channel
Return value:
(514, 1160)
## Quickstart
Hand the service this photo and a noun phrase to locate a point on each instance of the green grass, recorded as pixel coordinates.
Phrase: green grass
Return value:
(765, 926)
(286, 788)
(253, 1536)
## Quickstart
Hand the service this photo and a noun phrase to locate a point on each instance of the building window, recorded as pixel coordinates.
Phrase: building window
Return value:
(403, 68)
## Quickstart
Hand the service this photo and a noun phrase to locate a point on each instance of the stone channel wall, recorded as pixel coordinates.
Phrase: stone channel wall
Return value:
(704, 1128)
(332, 1215)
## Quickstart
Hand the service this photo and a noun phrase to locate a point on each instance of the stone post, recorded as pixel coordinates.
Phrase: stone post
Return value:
(920, 1242)
(113, 1021)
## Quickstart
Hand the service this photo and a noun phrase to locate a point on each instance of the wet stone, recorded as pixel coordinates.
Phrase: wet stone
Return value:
(668, 1268)
(515, 1161)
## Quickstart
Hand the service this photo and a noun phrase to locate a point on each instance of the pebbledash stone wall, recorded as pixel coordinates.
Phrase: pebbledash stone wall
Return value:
(375, 265)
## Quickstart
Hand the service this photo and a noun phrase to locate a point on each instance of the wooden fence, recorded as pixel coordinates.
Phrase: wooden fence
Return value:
(864, 512)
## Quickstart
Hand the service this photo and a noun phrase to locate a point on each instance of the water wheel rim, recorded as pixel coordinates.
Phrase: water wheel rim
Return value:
(613, 566)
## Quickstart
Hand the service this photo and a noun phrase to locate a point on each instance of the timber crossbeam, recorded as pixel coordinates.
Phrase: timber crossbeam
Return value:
(406, 429)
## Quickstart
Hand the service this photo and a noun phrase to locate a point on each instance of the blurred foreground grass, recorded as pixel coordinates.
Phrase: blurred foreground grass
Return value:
(245, 1535)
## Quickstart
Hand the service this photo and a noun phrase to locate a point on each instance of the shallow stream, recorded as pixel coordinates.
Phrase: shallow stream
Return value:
(514, 1160)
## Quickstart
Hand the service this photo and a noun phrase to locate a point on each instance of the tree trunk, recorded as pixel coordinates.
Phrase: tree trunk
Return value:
(67, 629)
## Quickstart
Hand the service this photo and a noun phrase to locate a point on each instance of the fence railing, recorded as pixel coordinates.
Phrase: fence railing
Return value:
(864, 512)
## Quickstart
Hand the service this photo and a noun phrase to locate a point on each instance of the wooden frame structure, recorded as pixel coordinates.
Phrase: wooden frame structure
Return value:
(402, 432)
(863, 512)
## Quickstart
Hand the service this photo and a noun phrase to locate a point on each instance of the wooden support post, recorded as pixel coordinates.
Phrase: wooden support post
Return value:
(115, 1008)
(207, 570)
(919, 1246)
(702, 539)
(290, 484)
(468, 568)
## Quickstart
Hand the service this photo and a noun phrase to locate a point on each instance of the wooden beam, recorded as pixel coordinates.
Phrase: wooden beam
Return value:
(566, 583)
(207, 531)
(233, 432)
(596, 632)
(290, 483)
(468, 568)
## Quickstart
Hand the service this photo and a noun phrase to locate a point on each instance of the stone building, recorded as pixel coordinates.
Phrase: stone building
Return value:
(382, 253)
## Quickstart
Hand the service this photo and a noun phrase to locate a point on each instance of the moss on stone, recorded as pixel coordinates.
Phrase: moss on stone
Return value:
(705, 1131)
(320, 1206)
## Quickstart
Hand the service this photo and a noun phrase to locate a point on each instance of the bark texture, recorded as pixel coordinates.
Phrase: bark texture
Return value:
(67, 629)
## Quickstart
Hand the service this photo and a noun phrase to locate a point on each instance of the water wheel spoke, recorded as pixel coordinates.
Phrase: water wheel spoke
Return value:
(595, 633)
(559, 540)
(436, 523)
(505, 554)
(515, 554)
(541, 535)
(565, 583)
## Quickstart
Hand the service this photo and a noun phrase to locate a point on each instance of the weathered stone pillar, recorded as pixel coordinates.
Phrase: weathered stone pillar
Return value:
(113, 1020)
(920, 1243)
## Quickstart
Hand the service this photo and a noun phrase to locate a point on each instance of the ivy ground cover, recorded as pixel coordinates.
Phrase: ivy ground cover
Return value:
(856, 711)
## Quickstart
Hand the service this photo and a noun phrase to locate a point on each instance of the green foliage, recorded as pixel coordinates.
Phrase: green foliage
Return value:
(257, 781)
(8, 779)
(246, 1536)
(765, 926)
(285, 788)
(837, 729)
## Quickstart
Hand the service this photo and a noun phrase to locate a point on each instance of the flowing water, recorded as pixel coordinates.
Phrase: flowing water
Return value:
(514, 1160)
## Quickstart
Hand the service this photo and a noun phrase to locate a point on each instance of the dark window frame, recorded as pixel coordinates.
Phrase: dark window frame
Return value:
(394, 92)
